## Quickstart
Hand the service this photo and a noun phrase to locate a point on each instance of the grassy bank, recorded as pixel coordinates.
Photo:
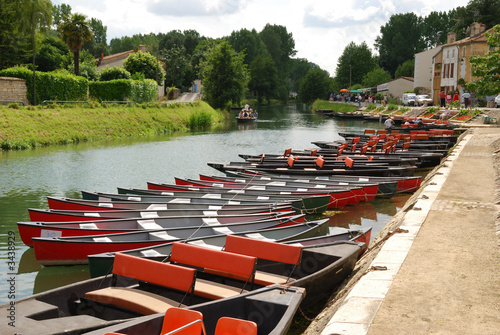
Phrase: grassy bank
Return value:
(334, 106)
(29, 127)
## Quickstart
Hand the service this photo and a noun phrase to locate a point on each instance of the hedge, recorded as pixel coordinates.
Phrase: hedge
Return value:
(122, 90)
(50, 85)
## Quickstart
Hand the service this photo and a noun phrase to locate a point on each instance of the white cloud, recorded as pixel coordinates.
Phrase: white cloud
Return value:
(321, 28)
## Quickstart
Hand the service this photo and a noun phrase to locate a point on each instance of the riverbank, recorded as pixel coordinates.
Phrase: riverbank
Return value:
(434, 268)
(30, 127)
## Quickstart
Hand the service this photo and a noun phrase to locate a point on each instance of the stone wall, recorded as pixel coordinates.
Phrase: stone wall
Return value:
(13, 89)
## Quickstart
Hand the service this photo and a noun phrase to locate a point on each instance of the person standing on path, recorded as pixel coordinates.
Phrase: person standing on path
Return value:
(442, 98)
(466, 97)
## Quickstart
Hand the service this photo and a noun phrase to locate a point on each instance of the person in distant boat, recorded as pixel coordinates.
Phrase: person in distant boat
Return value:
(245, 113)
(420, 123)
(255, 114)
(247, 107)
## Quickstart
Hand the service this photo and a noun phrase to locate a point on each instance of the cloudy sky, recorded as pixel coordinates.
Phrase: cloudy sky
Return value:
(321, 28)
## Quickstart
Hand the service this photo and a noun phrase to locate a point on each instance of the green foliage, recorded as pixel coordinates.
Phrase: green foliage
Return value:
(52, 54)
(75, 30)
(51, 85)
(264, 76)
(486, 67)
(124, 90)
(392, 107)
(199, 119)
(400, 39)
(179, 70)
(316, 85)
(353, 65)
(376, 77)
(225, 76)
(112, 73)
(147, 64)
(336, 107)
(406, 69)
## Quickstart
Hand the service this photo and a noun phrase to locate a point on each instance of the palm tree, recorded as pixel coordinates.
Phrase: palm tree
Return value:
(74, 31)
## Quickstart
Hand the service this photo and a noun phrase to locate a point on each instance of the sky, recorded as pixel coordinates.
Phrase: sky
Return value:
(321, 28)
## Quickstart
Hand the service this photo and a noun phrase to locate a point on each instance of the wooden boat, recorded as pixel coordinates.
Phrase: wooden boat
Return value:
(99, 264)
(29, 230)
(383, 189)
(56, 215)
(67, 310)
(245, 119)
(338, 198)
(74, 249)
(363, 193)
(269, 310)
(312, 204)
(382, 171)
(404, 184)
(91, 205)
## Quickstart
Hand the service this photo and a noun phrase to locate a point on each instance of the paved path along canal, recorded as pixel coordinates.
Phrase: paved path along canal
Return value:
(440, 274)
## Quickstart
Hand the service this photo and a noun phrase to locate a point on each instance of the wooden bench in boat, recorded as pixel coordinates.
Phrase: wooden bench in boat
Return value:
(153, 272)
(272, 251)
(218, 262)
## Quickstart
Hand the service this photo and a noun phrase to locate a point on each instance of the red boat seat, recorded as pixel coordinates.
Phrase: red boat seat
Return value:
(271, 251)
(166, 275)
(216, 262)
(227, 325)
(176, 318)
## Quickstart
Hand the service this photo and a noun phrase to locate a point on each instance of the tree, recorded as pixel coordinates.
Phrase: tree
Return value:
(249, 43)
(75, 31)
(98, 44)
(178, 71)
(354, 63)
(264, 76)
(376, 77)
(59, 12)
(281, 46)
(400, 39)
(145, 63)
(225, 76)
(407, 69)
(436, 26)
(317, 84)
(52, 54)
(484, 11)
(16, 27)
(112, 73)
(299, 67)
(486, 68)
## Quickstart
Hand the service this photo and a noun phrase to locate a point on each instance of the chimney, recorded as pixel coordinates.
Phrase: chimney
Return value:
(142, 48)
(452, 38)
(477, 28)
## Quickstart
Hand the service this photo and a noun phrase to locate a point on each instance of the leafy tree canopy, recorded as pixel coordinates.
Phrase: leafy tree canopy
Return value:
(225, 76)
(145, 63)
(354, 63)
(487, 67)
(317, 84)
(264, 78)
(376, 77)
(75, 30)
(407, 69)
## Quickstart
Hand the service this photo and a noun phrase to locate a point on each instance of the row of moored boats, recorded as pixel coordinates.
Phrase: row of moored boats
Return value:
(218, 252)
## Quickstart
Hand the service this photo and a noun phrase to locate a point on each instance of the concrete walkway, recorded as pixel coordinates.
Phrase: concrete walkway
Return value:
(441, 273)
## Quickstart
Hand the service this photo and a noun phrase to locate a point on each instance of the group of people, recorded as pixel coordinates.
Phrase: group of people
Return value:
(248, 113)
(447, 98)
(389, 123)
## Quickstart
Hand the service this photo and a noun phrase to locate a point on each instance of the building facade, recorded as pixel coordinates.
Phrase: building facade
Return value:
(451, 62)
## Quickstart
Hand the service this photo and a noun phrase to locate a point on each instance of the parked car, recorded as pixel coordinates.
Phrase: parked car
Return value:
(497, 101)
(423, 99)
(409, 99)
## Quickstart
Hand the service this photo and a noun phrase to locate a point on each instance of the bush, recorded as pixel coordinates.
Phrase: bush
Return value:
(113, 73)
(51, 85)
(122, 90)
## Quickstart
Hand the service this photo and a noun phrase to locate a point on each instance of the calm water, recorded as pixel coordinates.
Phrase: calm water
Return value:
(27, 177)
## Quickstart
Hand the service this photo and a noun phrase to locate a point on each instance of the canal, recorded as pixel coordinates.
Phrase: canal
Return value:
(28, 177)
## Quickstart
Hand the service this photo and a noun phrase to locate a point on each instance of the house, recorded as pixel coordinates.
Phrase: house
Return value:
(117, 60)
(396, 87)
(451, 62)
(423, 69)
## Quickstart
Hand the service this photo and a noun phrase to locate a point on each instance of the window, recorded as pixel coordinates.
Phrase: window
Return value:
(451, 69)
